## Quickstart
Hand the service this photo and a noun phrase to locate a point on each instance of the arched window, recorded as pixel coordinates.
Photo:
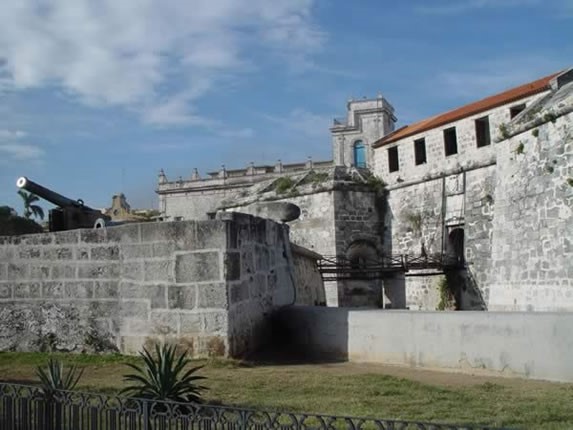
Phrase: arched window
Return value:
(359, 154)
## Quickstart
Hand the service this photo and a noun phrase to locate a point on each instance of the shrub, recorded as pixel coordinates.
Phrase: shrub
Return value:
(282, 185)
(163, 377)
(54, 377)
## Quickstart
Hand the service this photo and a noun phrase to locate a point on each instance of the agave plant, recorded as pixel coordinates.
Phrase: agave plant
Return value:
(163, 377)
(54, 377)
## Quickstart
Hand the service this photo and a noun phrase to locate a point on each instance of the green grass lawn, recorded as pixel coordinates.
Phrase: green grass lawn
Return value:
(345, 389)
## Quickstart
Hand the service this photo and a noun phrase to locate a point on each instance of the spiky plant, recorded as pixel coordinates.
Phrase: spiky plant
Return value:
(54, 377)
(163, 377)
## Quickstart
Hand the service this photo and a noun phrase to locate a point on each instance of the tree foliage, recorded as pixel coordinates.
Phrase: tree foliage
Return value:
(11, 224)
(30, 208)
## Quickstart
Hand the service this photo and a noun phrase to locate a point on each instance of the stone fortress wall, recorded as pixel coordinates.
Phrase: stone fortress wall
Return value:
(209, 285)
(447, 205)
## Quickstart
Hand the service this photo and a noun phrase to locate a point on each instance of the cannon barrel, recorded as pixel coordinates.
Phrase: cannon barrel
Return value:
(49, 195)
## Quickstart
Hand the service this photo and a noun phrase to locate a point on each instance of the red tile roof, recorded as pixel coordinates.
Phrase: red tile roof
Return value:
(491, 102)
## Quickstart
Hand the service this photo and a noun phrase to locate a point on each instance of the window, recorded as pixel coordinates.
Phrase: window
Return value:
(516, 110)
(359, 154)
(450, 141)
(420, 151)
(482, 132)
(393, 165)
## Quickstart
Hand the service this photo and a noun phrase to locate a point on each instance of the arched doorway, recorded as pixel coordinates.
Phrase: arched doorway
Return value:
(359, 154)
(456, 245)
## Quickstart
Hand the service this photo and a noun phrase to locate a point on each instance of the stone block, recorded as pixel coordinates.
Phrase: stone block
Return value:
(27, 252)
(104, 309)
(127, 233)
(165, 249)
(6, 252)
(239, 292)
(66, 237)
(39, 272)
(158, 231)
(212, 296)
(106, 289)
(59, 253)
(211, 346)
(27, 290)
(37, 239)
(134, 309)
(154, 293)
(190, 323)
(132, 271)
(53, 290)
(132, 345)
(17, 271)
(211, 235)
(105, 253)
(82, 253)
(215, 322)
(5, 290)
(182, 297)
(164, 322)
(136, 251)
(232, 266)
(62, 271)
(93, 235)
(78, 289)
(104, 270)
(161, 270)
(135, 326)
(247, 261)
(197, 267)
(262, 258)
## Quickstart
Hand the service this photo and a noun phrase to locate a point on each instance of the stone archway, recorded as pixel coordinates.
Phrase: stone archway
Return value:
(362, 292)
(455, 246)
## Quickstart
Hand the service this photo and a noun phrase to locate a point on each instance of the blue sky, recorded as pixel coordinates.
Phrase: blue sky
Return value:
(96, 97)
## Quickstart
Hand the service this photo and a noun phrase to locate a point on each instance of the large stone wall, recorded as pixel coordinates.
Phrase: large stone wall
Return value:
(523, 344)
(532, 249)
(208, 285)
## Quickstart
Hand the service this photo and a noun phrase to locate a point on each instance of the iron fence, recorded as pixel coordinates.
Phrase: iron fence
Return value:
(24, 407)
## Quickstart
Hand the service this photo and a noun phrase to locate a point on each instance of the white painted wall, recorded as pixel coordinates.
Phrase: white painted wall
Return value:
(529, 345)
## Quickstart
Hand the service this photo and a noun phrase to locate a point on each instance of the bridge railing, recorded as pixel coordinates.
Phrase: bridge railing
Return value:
(341, 267)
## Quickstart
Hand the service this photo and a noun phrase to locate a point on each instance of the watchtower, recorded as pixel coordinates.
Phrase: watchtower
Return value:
(366, 121)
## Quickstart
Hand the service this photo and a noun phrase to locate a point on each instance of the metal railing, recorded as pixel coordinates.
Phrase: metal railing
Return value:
(25, 407)
(340, 267)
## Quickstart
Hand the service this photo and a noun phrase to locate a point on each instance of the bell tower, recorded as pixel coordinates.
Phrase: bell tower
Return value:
(366, 121)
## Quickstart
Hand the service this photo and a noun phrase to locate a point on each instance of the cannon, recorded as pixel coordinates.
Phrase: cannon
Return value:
(69, 214)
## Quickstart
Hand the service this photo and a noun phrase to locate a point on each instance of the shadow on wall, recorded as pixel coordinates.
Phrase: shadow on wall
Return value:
(293, 341)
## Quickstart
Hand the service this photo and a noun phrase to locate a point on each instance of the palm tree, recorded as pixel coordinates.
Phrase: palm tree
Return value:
(29, 208)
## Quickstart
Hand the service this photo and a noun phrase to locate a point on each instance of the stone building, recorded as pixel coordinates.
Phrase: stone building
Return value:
(488, 185)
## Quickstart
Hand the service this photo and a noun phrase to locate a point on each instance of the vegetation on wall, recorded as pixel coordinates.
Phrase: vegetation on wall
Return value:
(283, 184)
(447, 300)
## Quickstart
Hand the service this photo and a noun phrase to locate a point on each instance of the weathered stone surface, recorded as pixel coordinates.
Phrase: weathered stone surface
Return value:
(212, 295)
(182, 297)
(197, 267)
(277, 211)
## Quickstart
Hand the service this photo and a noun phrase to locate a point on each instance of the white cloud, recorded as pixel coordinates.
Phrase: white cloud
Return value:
(21, 151)
(447, 7)
(156, 57)
(304, 122)
(12, 148)
(488, 77)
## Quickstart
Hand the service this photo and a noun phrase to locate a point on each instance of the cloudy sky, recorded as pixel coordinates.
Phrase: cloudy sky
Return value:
(97, 96)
